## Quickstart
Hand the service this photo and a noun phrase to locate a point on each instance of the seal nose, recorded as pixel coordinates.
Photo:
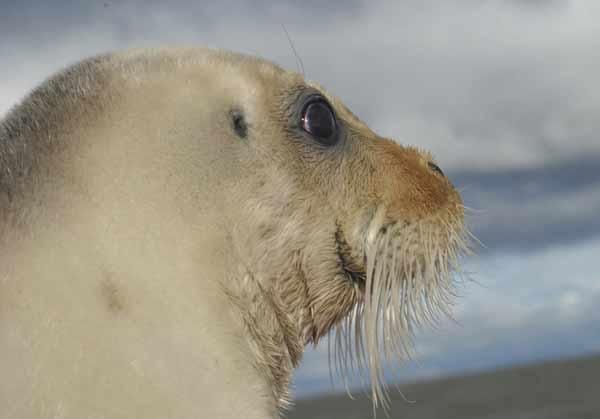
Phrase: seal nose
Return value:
(410, 184)
(435, 168)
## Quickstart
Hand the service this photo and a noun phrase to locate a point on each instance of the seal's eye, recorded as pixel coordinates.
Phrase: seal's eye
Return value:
(318, 120)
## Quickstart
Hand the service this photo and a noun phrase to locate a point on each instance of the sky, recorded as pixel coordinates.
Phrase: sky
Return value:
(503, 93)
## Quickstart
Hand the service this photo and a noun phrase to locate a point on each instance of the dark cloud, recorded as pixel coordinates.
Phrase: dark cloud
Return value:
(524, 209)
(46, 21)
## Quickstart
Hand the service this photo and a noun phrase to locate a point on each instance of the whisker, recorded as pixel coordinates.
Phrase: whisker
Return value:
(410, 281)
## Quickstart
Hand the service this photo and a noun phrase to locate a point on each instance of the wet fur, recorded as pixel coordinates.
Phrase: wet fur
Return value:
(131, 206)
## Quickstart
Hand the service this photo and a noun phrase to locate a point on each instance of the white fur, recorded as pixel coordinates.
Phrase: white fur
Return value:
(154, 264)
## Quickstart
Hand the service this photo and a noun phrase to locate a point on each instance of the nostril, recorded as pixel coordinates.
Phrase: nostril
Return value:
(435, 168)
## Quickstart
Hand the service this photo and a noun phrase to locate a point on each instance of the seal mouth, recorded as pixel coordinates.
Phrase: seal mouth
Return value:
(402, 272)
(349, 263)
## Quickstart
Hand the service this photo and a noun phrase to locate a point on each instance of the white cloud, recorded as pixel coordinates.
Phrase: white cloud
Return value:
(570, 303)
(481, 84)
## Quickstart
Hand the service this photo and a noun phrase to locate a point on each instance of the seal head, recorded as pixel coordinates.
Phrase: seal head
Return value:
(186, 221)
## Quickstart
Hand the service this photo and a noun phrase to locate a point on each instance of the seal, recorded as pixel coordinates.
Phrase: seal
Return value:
(176, 225)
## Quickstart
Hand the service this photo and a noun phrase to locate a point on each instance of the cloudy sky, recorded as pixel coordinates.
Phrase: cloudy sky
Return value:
(504, 93)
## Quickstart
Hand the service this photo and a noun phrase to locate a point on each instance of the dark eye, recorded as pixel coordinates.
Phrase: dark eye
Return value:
(318, 120)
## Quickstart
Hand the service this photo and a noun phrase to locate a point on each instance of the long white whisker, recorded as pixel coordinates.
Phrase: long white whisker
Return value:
(409, 282)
